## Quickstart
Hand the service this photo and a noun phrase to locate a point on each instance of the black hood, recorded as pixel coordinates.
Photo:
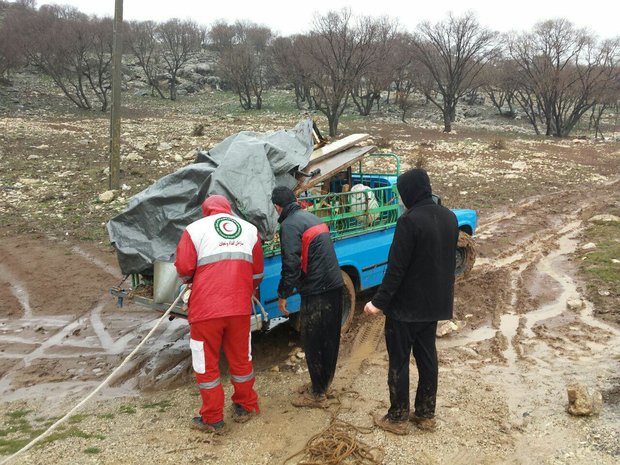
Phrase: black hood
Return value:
(413, 186)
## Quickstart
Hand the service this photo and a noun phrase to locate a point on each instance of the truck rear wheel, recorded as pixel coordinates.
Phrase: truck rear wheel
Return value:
(348, 304)
(465, 255)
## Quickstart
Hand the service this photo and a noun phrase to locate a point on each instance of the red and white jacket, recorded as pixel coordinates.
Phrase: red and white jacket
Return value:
(222, 256)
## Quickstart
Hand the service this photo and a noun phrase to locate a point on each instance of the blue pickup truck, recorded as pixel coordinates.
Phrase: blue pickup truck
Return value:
(361, 209)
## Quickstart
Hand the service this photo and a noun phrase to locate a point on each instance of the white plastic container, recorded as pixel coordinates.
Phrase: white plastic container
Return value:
(166, 283)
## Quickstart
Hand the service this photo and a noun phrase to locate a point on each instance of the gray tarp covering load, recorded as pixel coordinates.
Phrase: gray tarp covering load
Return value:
(244, 168)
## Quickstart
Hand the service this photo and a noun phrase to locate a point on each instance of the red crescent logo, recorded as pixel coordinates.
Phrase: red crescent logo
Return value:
(225, 227)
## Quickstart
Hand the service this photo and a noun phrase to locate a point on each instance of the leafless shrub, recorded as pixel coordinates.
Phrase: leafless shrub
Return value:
(498, 144)
(199, 130)
(421, 161)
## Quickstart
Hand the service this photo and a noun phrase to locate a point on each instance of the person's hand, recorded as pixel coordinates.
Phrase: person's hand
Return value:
(282, 306)
(370, 309)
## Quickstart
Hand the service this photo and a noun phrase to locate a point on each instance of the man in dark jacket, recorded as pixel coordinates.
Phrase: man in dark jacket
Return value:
(417, 291)
(310, 266)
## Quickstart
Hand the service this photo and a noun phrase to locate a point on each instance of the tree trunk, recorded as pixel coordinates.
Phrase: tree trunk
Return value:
(173, 88)
(333, 124)
(447, 121)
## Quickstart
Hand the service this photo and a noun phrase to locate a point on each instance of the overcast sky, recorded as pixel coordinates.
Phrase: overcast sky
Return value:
(287, 17)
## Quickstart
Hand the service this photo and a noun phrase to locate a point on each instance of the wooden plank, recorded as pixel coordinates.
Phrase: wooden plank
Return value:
(337, 146)
(332, 165)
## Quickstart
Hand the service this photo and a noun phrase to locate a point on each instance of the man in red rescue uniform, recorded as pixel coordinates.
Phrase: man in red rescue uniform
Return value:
(222, 257)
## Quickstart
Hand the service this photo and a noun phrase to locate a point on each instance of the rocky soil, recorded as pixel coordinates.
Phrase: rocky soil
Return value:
(529, 321)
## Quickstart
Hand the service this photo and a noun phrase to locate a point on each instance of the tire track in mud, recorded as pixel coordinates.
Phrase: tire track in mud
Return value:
(363, 347)
(77, 341)
(535, 342)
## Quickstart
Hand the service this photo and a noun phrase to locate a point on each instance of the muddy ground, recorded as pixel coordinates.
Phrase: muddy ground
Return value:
(503, 373)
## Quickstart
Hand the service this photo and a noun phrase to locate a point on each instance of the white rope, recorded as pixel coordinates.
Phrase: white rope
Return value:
(262, 309)
(97, 389)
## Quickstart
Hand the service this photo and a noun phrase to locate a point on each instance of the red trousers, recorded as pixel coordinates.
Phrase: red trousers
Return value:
(206, 339)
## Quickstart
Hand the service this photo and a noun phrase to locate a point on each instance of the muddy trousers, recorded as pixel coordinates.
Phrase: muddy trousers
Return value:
(321, 315)
(403, 338)
(206, 340)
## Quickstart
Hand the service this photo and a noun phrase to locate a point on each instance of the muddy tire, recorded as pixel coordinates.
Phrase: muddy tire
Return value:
(348, 303)
(465, 255)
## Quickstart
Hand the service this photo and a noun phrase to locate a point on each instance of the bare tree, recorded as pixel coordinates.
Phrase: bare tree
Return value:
(338, 51)
(563, 73)
(379, 73)
(399, 61)
(11, 52)
(144, 46)
(454, 52)
(499, 85)
(98, 62)
(73, 50)
(179, 41)
(245, 59)
(291, 63)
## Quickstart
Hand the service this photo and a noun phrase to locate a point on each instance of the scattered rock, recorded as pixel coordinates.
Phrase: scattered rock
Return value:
(276, 369)
(164, 146)
(589, 246)
(603, 292)
(178, 158)
(574, 304)
(190, 155)
(605, 218)
(581, 402)
(519, 165)
(446, 327)
(107, 196)
(199, 130)
(33, 157)
(134, 156)
(300, 355)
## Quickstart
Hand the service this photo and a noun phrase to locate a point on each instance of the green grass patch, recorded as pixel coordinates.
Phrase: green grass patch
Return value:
(160, 406)
(15, 414)
(92, 450)
(10, 446)
(106, 416)
(128, 409)
(598, 263)
(74, 419)
(72, 432)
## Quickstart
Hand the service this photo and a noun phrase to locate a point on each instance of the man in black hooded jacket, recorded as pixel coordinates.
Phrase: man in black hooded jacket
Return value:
(310, 266)
(417, 291)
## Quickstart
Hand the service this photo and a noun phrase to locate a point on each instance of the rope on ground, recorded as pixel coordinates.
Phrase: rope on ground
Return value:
(97, 389)
(337, 443)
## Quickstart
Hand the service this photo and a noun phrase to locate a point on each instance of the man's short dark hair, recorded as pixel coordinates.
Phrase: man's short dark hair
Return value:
(282, 196)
